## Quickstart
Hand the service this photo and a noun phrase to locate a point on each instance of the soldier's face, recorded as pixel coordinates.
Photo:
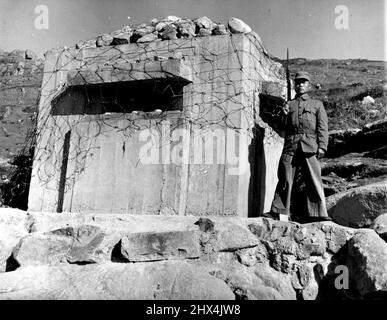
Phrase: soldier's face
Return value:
(302, 86)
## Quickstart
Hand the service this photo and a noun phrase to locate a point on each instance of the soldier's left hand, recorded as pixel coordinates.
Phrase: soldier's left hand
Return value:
(320, 153)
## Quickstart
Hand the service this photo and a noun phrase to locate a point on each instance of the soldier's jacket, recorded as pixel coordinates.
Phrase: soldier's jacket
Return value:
(306, 124)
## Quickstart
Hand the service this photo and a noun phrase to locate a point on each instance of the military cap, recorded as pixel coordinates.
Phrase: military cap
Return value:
(302, 75)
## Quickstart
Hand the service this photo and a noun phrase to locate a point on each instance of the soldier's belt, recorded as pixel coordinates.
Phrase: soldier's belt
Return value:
(296, 135)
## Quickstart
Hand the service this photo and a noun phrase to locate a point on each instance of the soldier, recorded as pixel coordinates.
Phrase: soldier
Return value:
(306, 140)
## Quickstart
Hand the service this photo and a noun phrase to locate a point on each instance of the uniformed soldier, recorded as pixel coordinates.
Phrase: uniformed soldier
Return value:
(306, 140)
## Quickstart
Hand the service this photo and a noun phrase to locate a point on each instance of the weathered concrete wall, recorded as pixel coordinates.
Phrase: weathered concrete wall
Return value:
(106, 171)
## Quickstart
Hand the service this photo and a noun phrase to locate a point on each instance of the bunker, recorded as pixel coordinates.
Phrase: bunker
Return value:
(161, 127)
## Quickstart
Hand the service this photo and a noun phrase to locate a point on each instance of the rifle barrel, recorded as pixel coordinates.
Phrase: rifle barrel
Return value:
(288, 83)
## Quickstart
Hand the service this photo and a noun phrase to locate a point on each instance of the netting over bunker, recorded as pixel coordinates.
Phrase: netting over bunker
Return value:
(158, 127)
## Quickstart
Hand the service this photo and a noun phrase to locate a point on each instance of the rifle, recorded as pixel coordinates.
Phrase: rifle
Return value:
(288, 83)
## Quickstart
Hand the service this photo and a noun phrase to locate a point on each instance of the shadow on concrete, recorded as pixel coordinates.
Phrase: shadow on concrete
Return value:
(268, 107)
(257, 186)
(270, 111)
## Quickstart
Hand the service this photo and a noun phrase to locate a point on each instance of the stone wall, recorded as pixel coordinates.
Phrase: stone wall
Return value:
(113, 256)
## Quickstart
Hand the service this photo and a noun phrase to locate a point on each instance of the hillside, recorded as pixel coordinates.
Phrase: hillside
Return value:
(20, 80)
(342, 84)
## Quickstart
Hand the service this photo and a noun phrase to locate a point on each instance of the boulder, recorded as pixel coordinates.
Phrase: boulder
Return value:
(14, 225)
(148, 38)
(205, 23)
(186, 28)
(121, 37)
(154, 22)
(169, 32)
(220, 29)
(351, 171)
(125, 29)
(370, 137)
(152, 246)
(79, 245)
(30, 55)
(316, 271)
(171, 19)
(39, 249)
(259, 282)
(367, 262)
(170, 280)
(380, 226)
(301, 275)
(251, 256)
(19, 71)
(278, 236)
(261, 292)
(353, 166)
(235, 237)
(231, 237)
(300, 241)
(311, 241)
(334, 184)
(340, 141)
(238, 26)
(336, 236)
(18, 54)
(104, 40)
(140, 32)
(360, 206)
(160, 26)
(277, 281)
(91, 43)
(87, 244)
(204, 32)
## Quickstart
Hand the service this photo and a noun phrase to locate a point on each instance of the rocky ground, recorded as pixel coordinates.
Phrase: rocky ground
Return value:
(71, 256)
(107, 256)
(355, 174)
(21, 74)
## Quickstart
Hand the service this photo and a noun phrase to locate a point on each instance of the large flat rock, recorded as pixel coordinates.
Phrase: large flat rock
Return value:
(380, 226)
(14, 225)
(147, 281)
(367, 261)
(359, 207)
(152, 246)
(81, 245)
(371, 136)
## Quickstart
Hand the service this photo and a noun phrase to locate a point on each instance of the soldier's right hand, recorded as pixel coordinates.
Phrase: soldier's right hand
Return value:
(286, 109)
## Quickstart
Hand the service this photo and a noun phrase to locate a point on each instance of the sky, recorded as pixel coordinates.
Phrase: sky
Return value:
(311, 29)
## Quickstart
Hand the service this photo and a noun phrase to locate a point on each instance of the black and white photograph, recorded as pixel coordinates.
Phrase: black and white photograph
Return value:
(208, 152)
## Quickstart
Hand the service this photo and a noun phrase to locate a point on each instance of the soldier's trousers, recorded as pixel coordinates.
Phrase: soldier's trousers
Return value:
(309, 168)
